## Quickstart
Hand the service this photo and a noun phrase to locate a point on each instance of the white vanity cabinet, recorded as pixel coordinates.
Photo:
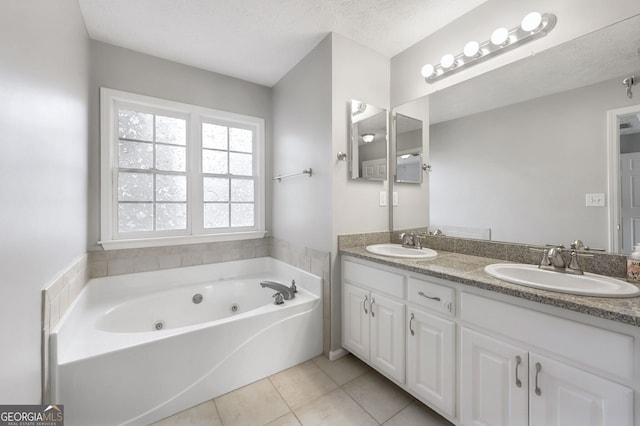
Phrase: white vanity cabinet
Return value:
(506, 384)
(373, 323)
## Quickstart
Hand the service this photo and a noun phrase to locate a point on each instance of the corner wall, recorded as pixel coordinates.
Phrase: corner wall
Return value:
(44, 77)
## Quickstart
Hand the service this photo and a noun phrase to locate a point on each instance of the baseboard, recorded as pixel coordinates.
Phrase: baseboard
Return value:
(337, 354)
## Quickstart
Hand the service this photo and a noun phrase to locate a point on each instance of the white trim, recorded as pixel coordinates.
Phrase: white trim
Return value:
(194, 233)
(337, 354)
(613, 172)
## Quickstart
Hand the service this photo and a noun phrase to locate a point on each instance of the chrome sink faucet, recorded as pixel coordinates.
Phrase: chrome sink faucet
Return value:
(553, 259)
(409, 239)
(287, 293)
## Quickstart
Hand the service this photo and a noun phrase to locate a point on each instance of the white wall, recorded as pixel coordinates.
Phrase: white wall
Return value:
(123, 69)
(44, 75)
(524, 170)
(357, 73)
(575, 18)
(302, 139)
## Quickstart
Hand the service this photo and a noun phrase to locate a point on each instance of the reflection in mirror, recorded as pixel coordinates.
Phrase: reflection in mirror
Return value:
(408, 149)
(521, 152)
(368, 141)
(629, 131)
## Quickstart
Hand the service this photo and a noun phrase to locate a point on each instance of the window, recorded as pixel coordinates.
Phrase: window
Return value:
(174, 173)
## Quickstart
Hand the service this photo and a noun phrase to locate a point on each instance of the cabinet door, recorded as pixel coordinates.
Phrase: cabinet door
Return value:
(387, 336)
(431, 359)
(493, 382)
(561, 395)
(355, 320)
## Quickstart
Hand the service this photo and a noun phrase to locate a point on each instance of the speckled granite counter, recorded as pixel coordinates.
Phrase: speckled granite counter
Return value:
(469, 271)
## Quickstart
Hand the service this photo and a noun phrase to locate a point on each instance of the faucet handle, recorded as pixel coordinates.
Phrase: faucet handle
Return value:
(293, 287)
(279, 299)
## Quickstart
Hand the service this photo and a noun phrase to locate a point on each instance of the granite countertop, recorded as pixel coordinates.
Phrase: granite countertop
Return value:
(469, 270)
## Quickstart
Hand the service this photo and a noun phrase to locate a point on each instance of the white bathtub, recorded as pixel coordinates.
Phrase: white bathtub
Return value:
(111, 365)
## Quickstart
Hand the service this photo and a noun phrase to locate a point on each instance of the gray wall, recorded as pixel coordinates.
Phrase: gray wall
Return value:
(44, 68)
(524, 170)
(123, 69)
(302, 139)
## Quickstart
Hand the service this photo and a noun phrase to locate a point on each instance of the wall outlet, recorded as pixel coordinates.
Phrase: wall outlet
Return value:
(595, 200)
(383, 199)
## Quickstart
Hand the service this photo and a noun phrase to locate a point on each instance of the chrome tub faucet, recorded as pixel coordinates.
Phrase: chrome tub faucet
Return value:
(285, 292)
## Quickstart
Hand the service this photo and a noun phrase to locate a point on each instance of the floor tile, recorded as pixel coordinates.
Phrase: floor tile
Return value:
(200, 415)
(334, 408)
(256, 404)
(379, 396)
(286, 420)
(342, 370)
(301, 384)
(417, 414)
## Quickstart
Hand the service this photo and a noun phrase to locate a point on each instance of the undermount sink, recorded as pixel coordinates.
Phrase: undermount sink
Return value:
(396, 250)
(585, 285)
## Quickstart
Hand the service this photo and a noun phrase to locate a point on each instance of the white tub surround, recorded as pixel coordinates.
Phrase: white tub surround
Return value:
(138, 372)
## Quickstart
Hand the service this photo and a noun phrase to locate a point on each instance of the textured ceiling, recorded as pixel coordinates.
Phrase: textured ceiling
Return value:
(261, 40)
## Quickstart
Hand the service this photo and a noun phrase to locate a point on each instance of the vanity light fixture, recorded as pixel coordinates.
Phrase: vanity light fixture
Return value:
(534, 25)
(368, 137)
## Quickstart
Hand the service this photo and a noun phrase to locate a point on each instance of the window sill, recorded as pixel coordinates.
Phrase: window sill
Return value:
(181, 240)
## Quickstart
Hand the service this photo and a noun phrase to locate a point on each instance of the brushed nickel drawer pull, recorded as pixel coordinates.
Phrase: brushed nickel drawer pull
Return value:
(518, 362)
(538, 369)
(364, 305)
(373, 300)
(437, 299)
(410, 321)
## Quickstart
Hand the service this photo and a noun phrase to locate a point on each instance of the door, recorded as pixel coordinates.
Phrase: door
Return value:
(561, 395)
(387, 336)
(493, 380)
(355, 320)
(431, 359)
(630, 200)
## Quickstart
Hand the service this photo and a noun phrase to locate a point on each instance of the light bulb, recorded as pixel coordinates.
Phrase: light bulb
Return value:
(427, 70)
(531, 21)
(499, 36)
(368, 137)
(471, 49)
(447, 60)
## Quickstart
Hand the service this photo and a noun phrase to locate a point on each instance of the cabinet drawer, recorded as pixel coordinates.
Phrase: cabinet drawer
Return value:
(373, 278)
(431, 295)
(605, 350)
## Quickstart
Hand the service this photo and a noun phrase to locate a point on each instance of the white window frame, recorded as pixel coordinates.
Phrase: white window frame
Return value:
(110, 239)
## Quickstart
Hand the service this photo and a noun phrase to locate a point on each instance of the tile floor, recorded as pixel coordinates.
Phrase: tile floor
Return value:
(317, 392)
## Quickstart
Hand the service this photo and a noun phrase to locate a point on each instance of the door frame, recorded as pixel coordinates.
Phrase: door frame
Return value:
(613, 173)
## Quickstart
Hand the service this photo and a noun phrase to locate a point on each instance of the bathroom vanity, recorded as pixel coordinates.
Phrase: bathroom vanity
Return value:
(481, 351)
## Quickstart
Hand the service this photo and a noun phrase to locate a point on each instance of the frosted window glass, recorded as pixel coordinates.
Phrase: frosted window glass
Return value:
(135, 125)
(241, 214)
(171, 188)
(240, 140)
(214, 136)
(216, 189)
(171, 158)
(214, 162)
(216, 215)
(135, 217)
(240, 164)
(242, 190)
(171, 216)
(171, 130)
(135, 155)
(135, 186)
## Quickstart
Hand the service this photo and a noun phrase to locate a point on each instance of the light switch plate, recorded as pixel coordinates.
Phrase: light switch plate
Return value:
(595, 200)
(383, 198)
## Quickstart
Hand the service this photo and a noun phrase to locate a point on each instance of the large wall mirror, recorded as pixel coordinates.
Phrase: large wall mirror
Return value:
(368, 141)
(520, 154)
